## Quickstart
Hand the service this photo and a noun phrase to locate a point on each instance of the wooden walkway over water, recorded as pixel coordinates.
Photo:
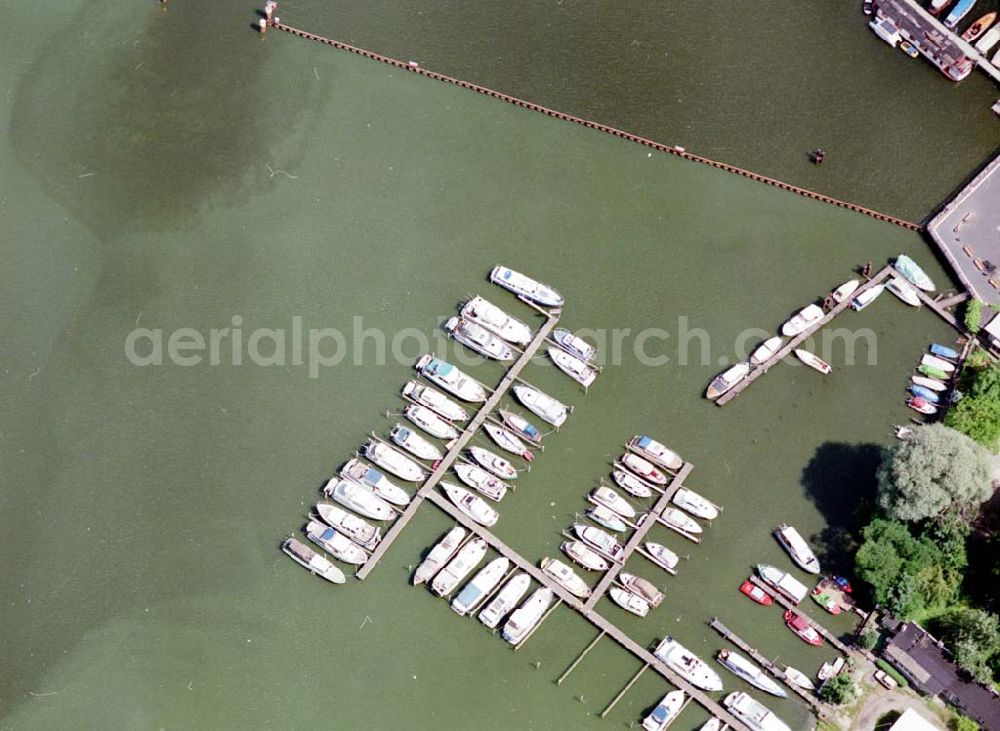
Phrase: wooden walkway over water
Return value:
(792, 344)
(783, 601)
(648, 521)
(551, 320)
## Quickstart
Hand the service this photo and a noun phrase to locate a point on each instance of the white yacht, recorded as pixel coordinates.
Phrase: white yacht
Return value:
(628, 601)
(575, 345)
(521, 425)
(610, 499)
(415, 444)
(358, 530)
(430, 422)
(542, 405)
(867, 297)
(459, 567)
(359, 498)
(630, 483)
(642, 588)
(484, 313)
(695, 504)
(845, 290)
(485, 581)
(478, 339)
(688, 665)
(802, 320)
(493, 463)
(573, 367)
(526, 287)
(784, 582)
(666, 711)
(336, 544)
(797, 548)
(480, 480)
(451, 379)
(527, 615)
(754, 714)
(307, 558)
(392, 461)
(442, 551)
(358, 471)
(727, 380)
(506, 440)
(435, 401)
(655, 452)
(643, 468)
(679, 520)
(750, 672)
(663, 556)
(472, 505)
(584, 556)
(766, 350)
(604, 543)
(608, 518)
(505, 600)
(565, 577)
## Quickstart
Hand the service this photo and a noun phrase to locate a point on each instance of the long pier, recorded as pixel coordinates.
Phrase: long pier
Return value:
(551, 319)
(783, 601)
(677, 150)
(640, 532)
(786, 350)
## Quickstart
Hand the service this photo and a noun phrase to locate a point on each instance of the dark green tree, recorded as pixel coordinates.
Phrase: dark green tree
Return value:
(839, 689)
(977, 415)
(974, 638)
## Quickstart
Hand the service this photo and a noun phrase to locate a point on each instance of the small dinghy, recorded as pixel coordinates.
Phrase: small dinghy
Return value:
(467, 558)
(358, 471)
(505, 601)
(939, 364)
(801, 320)
(613, 501)
(526, 287)
(358, 530)
(797, 548)
(943, 351)
(392, 461)
(521, 426)
(766, 350)
(478, 339)
(932, 383)
(695, 504)
(573, 367)
(903, 432)
(925, 393)
(642, 588)
(439, 555)
(727, 380)
(583, 555)
(359, 498)
(630, 483)
(307, 558)
(803, 629)
(845, 290)
(680, 520)
(608, 518)
(488, 578)
(493, 463)
(813, 361)
(933, 372)
(922, 406)
(604, 543)
(451, 379)
(665, 712)
(662, 556)
(576, 346)
(415, 444)
(486, 314)
(629, 601)
(867, 297)
(913, 273)
(904, 291)
(754, 592)
(655, 452)
(480, 480)
(507, 440)
(472, 505)
(643, 468)
(565, 577)
(435, 401)
(430, 422)
(541, 405)
(797, 677)
(335, 543)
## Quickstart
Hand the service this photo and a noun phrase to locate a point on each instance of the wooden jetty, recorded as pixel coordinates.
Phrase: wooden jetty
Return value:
(783, 601)
(640, 532)
(792, 344)
(455, 451)
(769, 666)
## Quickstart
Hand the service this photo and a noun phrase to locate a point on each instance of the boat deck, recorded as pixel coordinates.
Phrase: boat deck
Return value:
(783, 601)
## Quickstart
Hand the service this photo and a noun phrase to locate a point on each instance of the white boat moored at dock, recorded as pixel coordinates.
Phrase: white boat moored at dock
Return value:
(481, 481)
(613, 501)
(485, 581)
(415, 444)
(472, 505)
(662, 556)
(608, 518)
(309, 559)
(904, 291)
(565, 576)
(525, 617)
(459, 567)
(357, 529)
(753, 713)
(439, 555)
(643, 588)
(655, 452)
(797, 548)
(393, 461)
(750, 672)
(801, 320)
(680, 520)
(575, 345)
(505, 600)
(359, 498)
(630, 483)
(478, 339)
(695, 504)
(526, 287)
(845, 290)
(335, 543)
(542, 405)
(940, 363)
(435, 401)
(867, 297)
(643, 468)
(493, 463)
(451, 379)
(521, 425)
(359, 472)
(912, 272)
(573, 367)
(688, 665)
(486, 314)
(727, 380)
(813, 361)
(666, 711)
(766, 350)
(583, 555)
(604, 543)
(782, 581)
(628, 601)
(430, 421)
(507, 440)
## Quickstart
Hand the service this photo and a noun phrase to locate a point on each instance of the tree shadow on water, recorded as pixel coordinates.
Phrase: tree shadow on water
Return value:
(840, 480)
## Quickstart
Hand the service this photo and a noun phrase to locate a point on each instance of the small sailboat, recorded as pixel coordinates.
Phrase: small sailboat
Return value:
(662, 556)
(357, 471)
(335, 543)
(925, 393)
(727, 380)
(979, 27)
(799, 678)
(629, 601)
(613, 501)
(665, 712)
(435, 401)
(480, 480)
(541, 405)
(655, 452)
(507, 440)
(939, 363)
(472, 505)
(679, 520)
(801, 320)
(754, 714)
(932, 383)
(643, 468)
(493, 463)
(695, 504)
(766, 350)
(485, 581)
(584, 556)
(608, 518)
(642, 588)
(912, 272)
(577, 346)
(630, 483)
(904, 291)
(309, 559)
(922, 406)
(798, 624)
(392, 461)
(526, 287)
(797, 548)
(430, 422)
(479, 340)
(566, 577)
(688, 665)
(451, 379)
(754, 592)
(958, 11)
(439, 555)
(521, 426)
(415, 444)
(460, 566)
(359, 498)
(358, 530)
(943, 351)
(529, 614)
(867, 297)
(573, 367)
(505, 600)
(845, 290)
(746, 670)
(813, 361)
(484, 313)
(604, 543)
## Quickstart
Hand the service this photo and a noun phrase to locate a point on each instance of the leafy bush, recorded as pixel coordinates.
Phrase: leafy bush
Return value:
(974, 639)
(977, 415)
(973, 315)
(869, 638)
(839, 689)
(963, 723)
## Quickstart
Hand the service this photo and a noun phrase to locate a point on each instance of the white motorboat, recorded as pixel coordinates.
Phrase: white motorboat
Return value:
(695, 504)
(665, 712)
(642, 588)
(912, 272)
(575, 345)
(368, 476)
(613, 501)
(358, 530)
(688, 665)
(472, 505)
(643, 468)
(460, 566)
(679, 520)
(478, 339)
(845, 290)
(712, 724)
(393, 461)
(940, 363)
(415, 444)
(813, 361)
(584, 556)
(628, 601)
(439, 555)
(451, 379)
(608, 518)
(573, 367)
(566, 577)
(797, 548)
(485, 581)
(867, 297)
(505, 600)
(727, 380)
(507, 440)
(484, 313)
(904, 291)
(525, 617)
(799, 678)
(542, 405)
(604, 543)
(655, 452)
(521, 425)
(932, 383)
(630, 483)
(480, 480)
(526, 287)
(784, 582)
(743, 668)
(335, 543)
(662, 556)
(307, 558)
(802, 320)
(435, 401)
(359, 498)
(766, 350)
(430, 422)
(753, 713)
(493, 463)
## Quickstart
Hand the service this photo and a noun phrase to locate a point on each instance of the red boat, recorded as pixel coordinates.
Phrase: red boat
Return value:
(800, 626)
(756, 593)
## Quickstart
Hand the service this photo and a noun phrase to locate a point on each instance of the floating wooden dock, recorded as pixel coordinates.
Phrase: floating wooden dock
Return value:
(792, 344)
(783, 601)
(640, 532)
(455, 451)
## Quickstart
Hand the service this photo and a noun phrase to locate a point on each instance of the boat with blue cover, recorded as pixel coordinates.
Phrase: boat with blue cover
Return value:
(481, 585)
(943, 351)
(665, 712)
(335, 543)
(925, 393)
(958, 11)
(522, 426)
